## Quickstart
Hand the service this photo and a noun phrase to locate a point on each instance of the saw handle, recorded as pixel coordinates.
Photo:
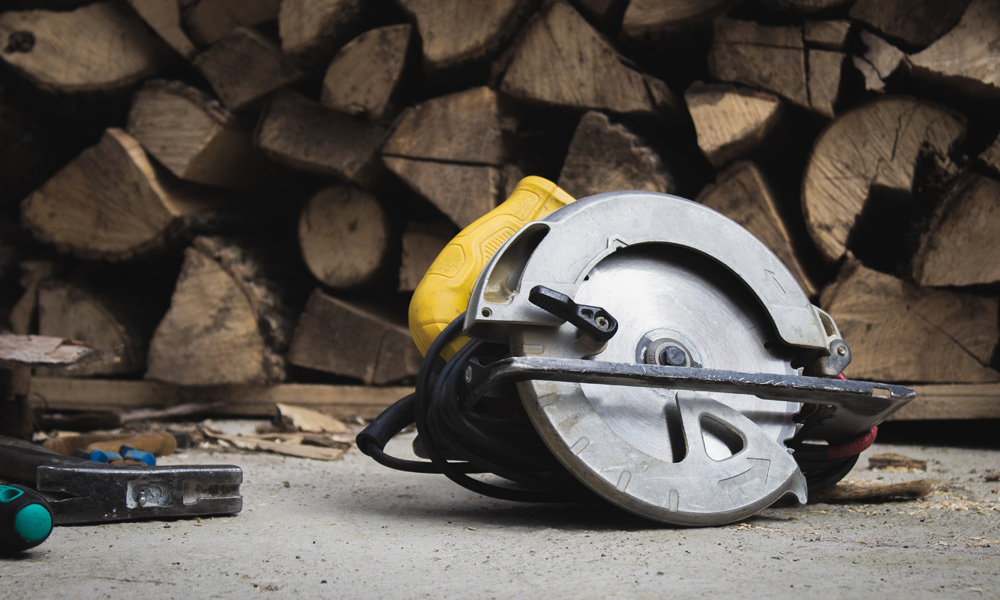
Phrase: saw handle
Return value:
(444, 292)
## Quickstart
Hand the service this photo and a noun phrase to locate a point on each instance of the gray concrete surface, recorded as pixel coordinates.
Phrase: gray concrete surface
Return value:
(350, 529)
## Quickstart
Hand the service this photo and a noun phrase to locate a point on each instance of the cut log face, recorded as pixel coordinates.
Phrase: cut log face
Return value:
(655, 18)
(900, 332)
(742, 194)
(462, 192)
(191, 134)
(344, 234)
(770, 58)
(911, 23)
(72, 312)
(95, 48)
(365, 74)
(879, 62)
(731, 121)
(305, 135)
(560, 60)
(462, 128)
(224, 324)
(875, 145)
(164, 17)
(346, 338)
(421, 245)
(824, 80)
(962, 245)
(112, 203)
(211, 20)
(827, 35)
(605, 157)
(455, 33)
(311, 29)
(968, 56)
(244, 67)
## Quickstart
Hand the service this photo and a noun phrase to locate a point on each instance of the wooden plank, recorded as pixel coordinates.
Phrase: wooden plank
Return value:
(948, 402)
(84, 394)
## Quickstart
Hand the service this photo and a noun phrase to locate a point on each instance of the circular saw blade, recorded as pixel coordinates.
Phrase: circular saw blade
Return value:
(663, 296)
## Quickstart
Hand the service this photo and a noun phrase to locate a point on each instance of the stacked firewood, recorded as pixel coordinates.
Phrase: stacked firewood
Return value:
(289, 168)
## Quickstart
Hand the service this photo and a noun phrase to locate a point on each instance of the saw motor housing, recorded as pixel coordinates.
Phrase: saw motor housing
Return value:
(664, 358)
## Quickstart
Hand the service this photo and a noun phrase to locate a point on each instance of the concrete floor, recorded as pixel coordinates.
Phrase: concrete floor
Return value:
(344, 529)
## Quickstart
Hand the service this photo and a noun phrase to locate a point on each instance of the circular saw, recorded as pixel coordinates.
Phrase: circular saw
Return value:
(633, 347)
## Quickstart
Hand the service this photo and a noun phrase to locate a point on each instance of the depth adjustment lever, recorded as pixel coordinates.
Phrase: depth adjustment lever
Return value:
(593, 321)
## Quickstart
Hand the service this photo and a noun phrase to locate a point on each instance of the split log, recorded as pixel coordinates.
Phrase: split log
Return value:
(312, 29)
(421, 245)
(825, 72)
(826, 35)
(961, 246)
(767, 57)
(191, 134)
(227, 322)
(364, 77)
(456, 33)
(731, 121)
(879, 62)
(464, 127)
(164, 17)
(305, 135)
(99, 317)
(22, 314)
(112, 203)
(841, 172)
(990, 158)
(967, 58)
(244, 67)
(655, 19)
(606, 157)
(913, 24)
(355, 340)
(804, 6)
(560, 60)
(344, 235)
(211, 20)
(742, 193)
(95, 48)
(900, 332)
(462, 192)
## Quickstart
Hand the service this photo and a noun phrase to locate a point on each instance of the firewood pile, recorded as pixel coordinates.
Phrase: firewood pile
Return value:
(242, 194)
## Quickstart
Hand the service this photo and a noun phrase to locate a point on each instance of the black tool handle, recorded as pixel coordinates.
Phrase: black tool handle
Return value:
(591, 320)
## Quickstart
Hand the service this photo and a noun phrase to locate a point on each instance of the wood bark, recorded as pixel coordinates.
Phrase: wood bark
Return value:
(421, 245)
(841, 172)
(961, 245)
(96, 317)
(211, 20)
(900, 332)
(606, 157)
(305, 135)
(355, 340)
(559, 60)
(879, 62)
(456, 33)
(913, 24)
(364, 77)
(654, 19)
(164, 17)
(191, 134)
(344, 234)
(97, 48)
(244, 67)
(967, 58)
(743, 194)
(112, 203)
(312, 29)
(464, 127)
(227, 322)
(731, 121)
